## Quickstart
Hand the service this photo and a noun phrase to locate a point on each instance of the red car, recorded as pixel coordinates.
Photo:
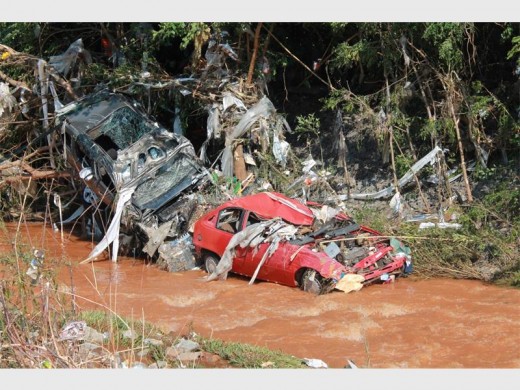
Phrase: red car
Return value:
(278, 239)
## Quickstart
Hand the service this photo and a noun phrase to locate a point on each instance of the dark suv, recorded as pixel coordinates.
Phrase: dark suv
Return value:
(114, 147)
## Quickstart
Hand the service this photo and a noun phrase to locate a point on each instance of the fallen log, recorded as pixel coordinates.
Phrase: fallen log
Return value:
(30, 173)
(38, 175)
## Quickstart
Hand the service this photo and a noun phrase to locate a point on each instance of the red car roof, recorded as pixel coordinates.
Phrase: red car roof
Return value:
(273, 204)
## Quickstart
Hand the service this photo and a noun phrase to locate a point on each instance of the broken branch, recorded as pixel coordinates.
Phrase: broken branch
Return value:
(255, 53)
(13, 82)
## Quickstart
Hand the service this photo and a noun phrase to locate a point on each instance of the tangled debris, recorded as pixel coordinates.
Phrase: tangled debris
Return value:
(134, 177)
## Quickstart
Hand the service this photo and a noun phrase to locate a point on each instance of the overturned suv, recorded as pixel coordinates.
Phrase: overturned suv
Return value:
(137, 176)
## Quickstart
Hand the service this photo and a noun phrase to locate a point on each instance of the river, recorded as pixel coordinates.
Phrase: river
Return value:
(412, 323)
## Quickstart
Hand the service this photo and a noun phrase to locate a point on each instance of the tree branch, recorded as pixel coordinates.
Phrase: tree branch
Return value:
(255, 53)
(299, 61)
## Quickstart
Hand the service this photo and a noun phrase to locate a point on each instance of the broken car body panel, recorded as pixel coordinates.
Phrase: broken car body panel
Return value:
(114, 147)
(363, 251)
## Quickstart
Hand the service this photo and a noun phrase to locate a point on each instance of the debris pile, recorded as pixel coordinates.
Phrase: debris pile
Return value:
(134, 186)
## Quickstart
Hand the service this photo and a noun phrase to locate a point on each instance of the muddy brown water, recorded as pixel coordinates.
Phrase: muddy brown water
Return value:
(436, 323)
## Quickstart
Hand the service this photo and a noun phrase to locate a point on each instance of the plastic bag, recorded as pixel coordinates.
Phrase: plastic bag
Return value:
(7, 101)
(63, 63)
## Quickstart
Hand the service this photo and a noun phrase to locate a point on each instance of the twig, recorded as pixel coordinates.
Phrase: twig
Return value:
(449, 87)
(299, 61)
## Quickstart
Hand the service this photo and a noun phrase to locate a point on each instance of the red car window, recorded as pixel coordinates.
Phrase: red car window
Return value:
(230, 220)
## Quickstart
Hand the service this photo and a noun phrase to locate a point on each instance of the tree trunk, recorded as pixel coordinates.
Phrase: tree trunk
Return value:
(392, 158)
(255, 53)
(461, 149)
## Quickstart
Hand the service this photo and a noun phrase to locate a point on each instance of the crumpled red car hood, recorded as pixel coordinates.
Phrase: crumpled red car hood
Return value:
(272, 204)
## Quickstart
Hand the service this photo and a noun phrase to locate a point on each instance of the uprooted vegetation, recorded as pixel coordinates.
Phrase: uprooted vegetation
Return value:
(361, 146)
(484, 247)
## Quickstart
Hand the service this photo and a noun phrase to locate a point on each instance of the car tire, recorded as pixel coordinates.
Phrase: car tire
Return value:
(210, 262)
(311, 282)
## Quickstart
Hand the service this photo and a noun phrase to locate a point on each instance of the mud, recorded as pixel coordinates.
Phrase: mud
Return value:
(413, 323)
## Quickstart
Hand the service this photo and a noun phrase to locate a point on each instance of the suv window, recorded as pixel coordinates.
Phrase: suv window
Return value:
(125, 127)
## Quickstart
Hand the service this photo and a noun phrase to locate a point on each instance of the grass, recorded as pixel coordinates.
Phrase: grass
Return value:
(238, 355)
(249, 356)
(117, 347)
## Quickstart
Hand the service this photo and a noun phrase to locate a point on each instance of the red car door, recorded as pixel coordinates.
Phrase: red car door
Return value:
(278, 268)
(229, 222)
(272, 269)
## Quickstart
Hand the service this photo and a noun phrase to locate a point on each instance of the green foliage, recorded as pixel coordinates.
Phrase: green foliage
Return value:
(234, 185)
(515, 50)
(333, 100)
(22, 37)
(103, 321)
(479, 101)
(307, 125)
(403, 164)
(369, 216)
(375, 49)
(479, 250)
(278, 62)
(338, 27)
(346, 55)
(442, 252)
(504, 202)
(485, 248)
(483, 173)
(448, 39)
(187, 32)
(514, 279)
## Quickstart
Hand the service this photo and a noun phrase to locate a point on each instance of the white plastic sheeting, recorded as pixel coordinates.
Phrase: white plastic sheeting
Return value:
(315, 363)
(243, 238)
(229, 100)
(272, 231)
(440, 225)
(280, 149)
(213, 128)
(278, 232)
(112, 235)
(263, 109)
